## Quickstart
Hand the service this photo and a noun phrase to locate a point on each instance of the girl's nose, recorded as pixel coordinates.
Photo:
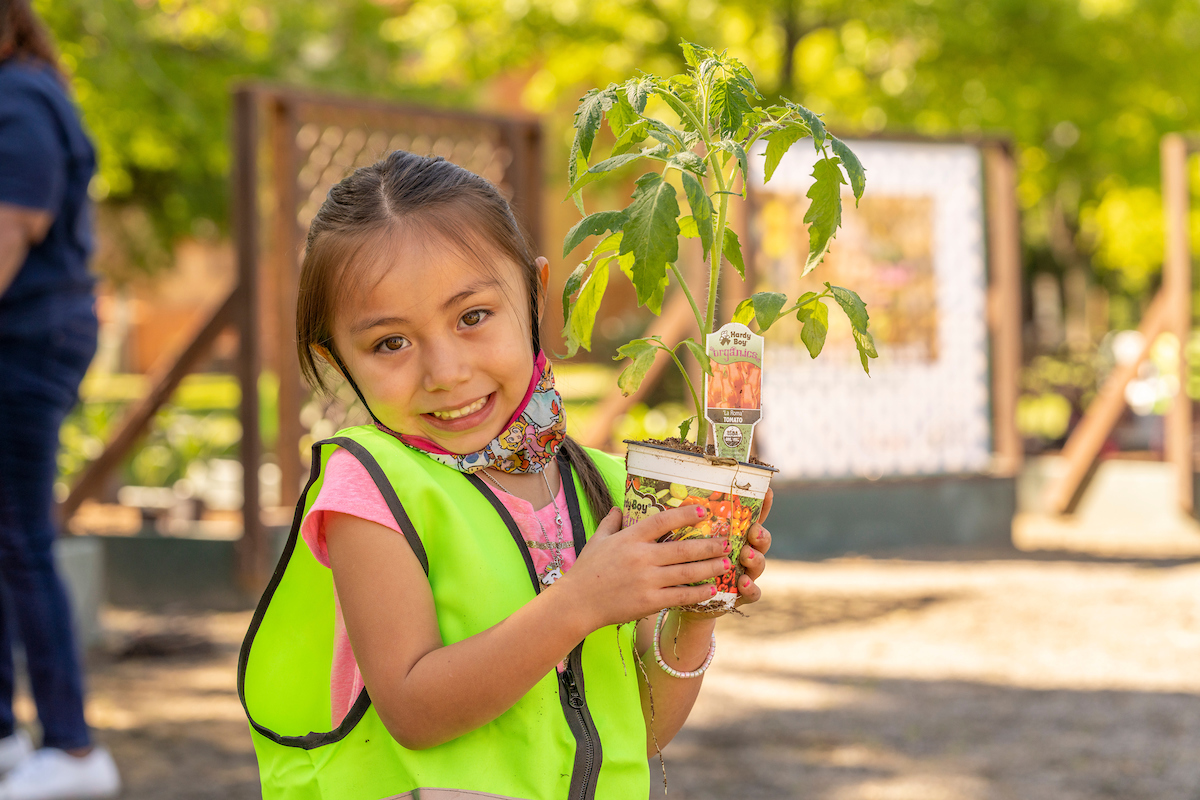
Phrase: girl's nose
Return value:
(445, 366)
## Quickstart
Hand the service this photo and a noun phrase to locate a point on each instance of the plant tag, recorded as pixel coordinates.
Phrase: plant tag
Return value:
(733, 393)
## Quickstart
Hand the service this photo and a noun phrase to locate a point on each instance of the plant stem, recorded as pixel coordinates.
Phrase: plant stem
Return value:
(700, 420)
(718, 249)
(688, 294)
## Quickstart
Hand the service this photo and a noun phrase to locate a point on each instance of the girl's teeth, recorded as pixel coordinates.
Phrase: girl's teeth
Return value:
(461, 412)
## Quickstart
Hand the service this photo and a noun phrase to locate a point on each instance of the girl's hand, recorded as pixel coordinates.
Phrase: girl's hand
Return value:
(624, 575)
(754, 555)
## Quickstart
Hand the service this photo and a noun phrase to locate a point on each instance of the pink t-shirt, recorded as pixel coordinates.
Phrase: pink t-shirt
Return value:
(348, 489)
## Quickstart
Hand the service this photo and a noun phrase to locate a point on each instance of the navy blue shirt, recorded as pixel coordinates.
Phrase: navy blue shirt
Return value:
(46, 162)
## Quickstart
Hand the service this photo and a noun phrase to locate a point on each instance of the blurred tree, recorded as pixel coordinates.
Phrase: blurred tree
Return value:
(1085, 87)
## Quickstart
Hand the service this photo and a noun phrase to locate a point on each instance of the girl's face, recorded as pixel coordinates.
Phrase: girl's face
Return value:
(440, 347)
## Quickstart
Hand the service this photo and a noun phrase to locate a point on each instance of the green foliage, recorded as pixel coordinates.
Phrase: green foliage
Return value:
(719, 119)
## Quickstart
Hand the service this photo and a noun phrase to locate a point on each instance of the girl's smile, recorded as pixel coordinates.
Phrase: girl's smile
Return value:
(438, 341)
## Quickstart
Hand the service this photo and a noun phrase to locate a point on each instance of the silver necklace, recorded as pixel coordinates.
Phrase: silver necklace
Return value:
(554, 569)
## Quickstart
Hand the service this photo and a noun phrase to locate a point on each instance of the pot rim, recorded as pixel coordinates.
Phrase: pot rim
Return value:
(698, 457)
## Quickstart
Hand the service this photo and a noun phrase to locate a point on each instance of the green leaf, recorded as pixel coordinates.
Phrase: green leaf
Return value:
(597, 171)
(587, 121)
(693, 54)
(655, 299)
(852, 304)
(815, 328)
(634, 135)
(727, 103)
(767, 306)
(856, 312)
(640, 353)
(685, 427)
(744, 313)
(805, 305)
(779, 143)
(621, 115)
(702, 210)
(665, 133)
(733, 252)
(574, 280)
(824, 214)
(735, 148)
(813, 121)
(687, 227)
(854, 168)
(587, 118)
(687, 161)
(651, 234)
(678, 105)
(583, 315)
(592, 225)
(698, 353)
(637, 90)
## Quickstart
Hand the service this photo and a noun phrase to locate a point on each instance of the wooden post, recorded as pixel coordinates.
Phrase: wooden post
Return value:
(285, 257)
(252, 548)
(1083, 445)
(163, 381)
(1177, 285)
(1004, 304)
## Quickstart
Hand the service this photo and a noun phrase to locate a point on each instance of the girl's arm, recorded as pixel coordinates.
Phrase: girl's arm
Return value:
(684, 643)
(426, 692)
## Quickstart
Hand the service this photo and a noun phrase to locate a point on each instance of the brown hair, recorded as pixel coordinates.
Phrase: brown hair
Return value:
(22, 35)
(400, 193)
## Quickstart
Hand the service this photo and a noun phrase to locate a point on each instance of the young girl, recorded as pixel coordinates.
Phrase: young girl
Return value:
(472, 644)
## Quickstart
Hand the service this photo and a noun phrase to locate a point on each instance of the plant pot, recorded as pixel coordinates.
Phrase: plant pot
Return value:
(660, 477)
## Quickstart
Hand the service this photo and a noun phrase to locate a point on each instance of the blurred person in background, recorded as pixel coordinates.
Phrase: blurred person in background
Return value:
(47, 339)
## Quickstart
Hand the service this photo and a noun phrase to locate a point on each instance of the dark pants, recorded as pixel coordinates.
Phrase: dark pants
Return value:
(39, 382)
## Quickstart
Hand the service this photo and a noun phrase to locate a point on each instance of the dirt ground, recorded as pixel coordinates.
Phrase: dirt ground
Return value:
(1016, 676)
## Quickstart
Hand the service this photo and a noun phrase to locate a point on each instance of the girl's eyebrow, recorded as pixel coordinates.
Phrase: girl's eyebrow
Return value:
(473, 289)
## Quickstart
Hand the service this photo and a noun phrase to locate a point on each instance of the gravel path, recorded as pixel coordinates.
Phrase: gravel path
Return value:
(855, 679)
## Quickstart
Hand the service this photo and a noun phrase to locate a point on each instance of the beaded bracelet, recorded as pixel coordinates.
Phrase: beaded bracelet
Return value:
(674, 673)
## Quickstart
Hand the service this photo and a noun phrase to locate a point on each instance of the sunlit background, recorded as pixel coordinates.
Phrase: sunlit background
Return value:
(854, 653)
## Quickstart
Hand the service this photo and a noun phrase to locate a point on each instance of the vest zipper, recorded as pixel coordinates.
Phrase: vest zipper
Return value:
(579, 719)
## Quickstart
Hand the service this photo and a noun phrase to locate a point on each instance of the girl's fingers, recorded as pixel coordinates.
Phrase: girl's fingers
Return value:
(753, 561)
(687, 595)
(654, 527)
(759, 538)
(748, 591)
(768, 501)
(678, 552)
(610, 524)
(693, 571)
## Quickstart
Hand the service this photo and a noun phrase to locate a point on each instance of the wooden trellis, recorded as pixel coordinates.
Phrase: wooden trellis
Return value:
(290, 146)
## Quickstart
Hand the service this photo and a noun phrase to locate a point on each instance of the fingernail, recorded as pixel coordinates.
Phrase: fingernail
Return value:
(745, 583)
(727, 565)
(713, 592)
(726, 545)
(701, 511)
(749, 554)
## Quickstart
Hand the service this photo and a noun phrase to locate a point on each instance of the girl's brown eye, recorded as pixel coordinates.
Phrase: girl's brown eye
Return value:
(472, 318)
(393, 343)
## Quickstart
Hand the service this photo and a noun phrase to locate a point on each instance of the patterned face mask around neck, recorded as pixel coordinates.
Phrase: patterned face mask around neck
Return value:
(528, 442)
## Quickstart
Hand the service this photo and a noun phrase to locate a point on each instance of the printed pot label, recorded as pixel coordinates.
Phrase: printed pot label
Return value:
(733, 393)
(730, 516)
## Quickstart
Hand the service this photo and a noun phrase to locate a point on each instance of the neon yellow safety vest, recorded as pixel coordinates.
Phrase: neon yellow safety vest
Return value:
(576, 735)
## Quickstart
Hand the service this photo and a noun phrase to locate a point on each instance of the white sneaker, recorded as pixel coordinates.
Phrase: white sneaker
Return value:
(14, 749)
(51, 774)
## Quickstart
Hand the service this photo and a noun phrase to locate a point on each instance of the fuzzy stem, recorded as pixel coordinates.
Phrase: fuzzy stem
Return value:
(688, 294)
(700, 420)
(718, 249)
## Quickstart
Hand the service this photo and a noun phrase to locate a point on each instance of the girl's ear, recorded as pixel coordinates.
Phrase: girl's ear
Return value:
(543, 268)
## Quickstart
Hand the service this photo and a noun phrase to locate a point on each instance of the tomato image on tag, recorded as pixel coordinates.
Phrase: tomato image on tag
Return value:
(733, 392)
